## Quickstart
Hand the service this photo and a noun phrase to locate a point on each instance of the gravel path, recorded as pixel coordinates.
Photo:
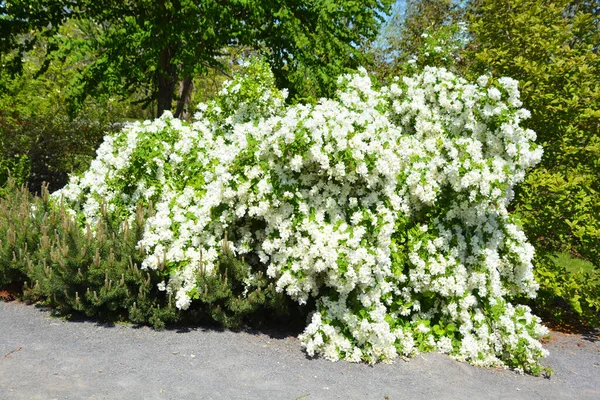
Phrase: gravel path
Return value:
(42, 357)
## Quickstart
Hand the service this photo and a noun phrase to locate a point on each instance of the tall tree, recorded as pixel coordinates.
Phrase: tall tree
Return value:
(419, 17)
(407, 34)
(160, 45)
(18, 20)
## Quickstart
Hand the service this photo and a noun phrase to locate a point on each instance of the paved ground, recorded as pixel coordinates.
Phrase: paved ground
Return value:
(42, 357)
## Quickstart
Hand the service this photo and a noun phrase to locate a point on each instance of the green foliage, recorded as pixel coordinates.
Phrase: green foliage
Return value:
(573, 264)
(39, 142)
(552, 48)
(39, 138)
(309, 46)
(16, 21)
(223, 300)
(419, 33)
(18, 234)
(15, 167)
(157, 48)
(94, 271)
(567, 293)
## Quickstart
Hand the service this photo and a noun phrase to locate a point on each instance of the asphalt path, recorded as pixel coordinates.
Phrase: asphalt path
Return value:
(43, 357)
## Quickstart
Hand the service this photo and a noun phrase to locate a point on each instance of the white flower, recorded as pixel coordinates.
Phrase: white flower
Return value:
(483, 80)
(183, 300)
(494, 94)
(373, 203)
(296, 163)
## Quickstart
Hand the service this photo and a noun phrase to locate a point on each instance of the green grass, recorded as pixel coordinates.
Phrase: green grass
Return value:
(573, 264)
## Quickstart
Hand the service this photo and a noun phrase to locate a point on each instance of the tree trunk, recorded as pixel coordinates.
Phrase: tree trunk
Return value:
(167, 78)
(165, 97)
(185, 93)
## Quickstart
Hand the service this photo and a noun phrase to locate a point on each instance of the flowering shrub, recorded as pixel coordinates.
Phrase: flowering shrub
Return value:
(388, 206)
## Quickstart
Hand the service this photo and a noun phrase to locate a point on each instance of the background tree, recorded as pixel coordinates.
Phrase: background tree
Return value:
(18, 20)
(39, 140)
(551, 47)
(158, 47)
(418, 33)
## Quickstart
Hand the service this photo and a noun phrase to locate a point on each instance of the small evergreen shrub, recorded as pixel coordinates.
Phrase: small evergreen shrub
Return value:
(92, 271)
(19, 234)
(387, 207)
(95, 271)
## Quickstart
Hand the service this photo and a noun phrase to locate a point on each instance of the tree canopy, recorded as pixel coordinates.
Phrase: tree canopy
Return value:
(157, 47)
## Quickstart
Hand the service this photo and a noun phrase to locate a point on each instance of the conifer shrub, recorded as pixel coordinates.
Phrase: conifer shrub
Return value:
(386, 207)
(19, 234)
(94, 270)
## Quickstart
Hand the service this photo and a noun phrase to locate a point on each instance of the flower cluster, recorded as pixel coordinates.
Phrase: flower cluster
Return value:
(388, 206)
